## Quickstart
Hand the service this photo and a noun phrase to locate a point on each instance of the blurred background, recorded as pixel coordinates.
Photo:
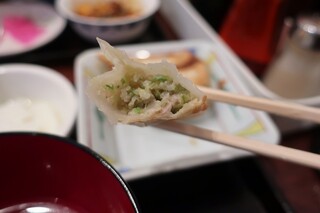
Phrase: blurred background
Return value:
(260, 24)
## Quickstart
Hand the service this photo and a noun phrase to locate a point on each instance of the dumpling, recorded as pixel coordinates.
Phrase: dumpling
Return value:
(187, 63)
(137, 93)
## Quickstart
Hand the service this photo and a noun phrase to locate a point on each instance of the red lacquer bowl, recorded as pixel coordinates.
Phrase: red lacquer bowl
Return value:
(44, 173)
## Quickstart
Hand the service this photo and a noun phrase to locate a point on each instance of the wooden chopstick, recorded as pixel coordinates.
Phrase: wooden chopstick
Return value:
(266, 149)
(286, 109)
(282, 108)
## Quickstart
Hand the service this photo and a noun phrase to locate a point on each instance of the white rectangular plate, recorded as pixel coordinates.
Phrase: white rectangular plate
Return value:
(142, 151)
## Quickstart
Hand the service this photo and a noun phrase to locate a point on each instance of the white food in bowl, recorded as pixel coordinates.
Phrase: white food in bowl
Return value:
(113, 30)
(31, 92)
(24, 114)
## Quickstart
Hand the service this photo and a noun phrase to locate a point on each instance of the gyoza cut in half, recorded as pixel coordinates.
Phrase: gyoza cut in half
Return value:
(137, 93)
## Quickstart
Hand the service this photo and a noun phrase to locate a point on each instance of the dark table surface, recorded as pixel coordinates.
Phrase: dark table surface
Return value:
(250, 184)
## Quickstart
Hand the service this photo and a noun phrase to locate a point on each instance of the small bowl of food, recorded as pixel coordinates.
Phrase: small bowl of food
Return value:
(46, 173)
(35, 98)
(113, 20)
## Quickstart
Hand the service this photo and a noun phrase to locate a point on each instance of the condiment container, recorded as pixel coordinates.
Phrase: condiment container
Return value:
(251, 29)
(295, 72)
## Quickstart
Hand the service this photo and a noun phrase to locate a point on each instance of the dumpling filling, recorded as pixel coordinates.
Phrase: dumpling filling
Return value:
(138, 92)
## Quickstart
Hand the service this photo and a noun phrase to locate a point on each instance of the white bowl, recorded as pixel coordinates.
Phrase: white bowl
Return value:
(112, 30)
(36, 98)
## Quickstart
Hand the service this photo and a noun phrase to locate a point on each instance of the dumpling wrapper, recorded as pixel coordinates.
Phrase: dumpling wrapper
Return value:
(138, 93)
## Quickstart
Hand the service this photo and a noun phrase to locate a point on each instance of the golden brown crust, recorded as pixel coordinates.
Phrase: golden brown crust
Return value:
(197, 72)
(188, 65)
(181, 59)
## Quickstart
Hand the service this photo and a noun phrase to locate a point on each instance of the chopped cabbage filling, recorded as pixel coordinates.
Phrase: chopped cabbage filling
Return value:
(137, 92)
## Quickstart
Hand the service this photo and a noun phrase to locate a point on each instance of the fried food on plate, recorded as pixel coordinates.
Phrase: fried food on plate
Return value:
(187, 63)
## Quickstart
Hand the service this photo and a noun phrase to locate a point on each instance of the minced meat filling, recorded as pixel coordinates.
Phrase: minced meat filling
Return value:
(137, 91)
